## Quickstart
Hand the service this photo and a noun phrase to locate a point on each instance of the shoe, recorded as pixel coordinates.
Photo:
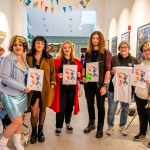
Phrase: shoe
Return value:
(58, 132)
(90, 127)
(41, 137)
(33, 138)
(17, 142)
(3, 143)
(99, 133)
(109, 130)
(3, 147)
(123, 131)
(148, 145)
(139, 137)
(69, 128)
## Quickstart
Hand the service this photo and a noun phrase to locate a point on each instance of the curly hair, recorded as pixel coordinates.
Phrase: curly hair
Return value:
(33, 50)
(19, 39)
(61, 53)
(145, 44)
(101, 42)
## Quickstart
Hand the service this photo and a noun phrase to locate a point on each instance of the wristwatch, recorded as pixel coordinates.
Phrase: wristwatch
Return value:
(104, 85)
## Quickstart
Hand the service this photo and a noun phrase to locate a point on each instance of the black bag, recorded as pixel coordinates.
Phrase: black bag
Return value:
(148, 113)
(132, 112)
(6, 121)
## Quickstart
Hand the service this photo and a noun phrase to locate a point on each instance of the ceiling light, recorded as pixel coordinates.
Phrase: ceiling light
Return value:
(43, 18)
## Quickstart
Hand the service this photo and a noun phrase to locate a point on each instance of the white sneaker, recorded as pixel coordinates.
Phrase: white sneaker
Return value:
(123, 131)
(3, 147)
(109, 130)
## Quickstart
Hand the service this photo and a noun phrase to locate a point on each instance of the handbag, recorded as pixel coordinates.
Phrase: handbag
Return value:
(148, 104)
(80, 92)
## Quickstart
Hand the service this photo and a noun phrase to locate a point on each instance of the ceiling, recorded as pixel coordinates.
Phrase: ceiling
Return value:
(60, 23)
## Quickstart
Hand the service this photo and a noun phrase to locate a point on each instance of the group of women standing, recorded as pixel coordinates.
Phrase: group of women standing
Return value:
(16, 96)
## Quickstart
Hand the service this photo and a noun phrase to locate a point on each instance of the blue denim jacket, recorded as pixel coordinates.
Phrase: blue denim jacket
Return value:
(12, 75)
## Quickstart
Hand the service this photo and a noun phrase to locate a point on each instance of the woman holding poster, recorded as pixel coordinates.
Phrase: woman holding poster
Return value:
(68, 70)
(96, 80)
(38, 100)
(14, 90)
(142, 94)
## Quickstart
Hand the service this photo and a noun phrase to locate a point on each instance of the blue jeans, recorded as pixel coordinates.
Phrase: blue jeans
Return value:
(112, 107)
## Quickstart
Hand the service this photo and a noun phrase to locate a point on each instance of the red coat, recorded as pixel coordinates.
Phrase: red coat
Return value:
(56, 101)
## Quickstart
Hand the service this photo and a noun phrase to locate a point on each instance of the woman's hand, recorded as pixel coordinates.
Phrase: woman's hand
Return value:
(113, 71)
(147, 82)
(103, 90)
(26, 90)
(52, 86)
(60, 75)
(84, 80)
(78, 74)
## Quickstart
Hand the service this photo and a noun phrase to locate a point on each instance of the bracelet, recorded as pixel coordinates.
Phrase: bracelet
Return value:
(104, 85)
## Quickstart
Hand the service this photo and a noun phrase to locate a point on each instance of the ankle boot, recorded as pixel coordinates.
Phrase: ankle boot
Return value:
(41, 137)
(99, 133)
(17, 142)
(3, 143)
(90, 127)
(33, 138)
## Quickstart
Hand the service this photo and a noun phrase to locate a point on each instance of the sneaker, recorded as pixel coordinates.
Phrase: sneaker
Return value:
(3, 147)
(139, 137)
(109, 130)
(123, 131)
(148, 145)
(58, 132)
(69, 128)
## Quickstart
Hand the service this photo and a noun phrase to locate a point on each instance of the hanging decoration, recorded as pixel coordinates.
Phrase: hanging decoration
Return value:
(41, 4)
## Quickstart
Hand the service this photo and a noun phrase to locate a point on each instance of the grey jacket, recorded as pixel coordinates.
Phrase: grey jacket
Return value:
(12, 75)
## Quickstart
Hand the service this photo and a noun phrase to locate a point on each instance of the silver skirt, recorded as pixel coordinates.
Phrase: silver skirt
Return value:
(14, 105)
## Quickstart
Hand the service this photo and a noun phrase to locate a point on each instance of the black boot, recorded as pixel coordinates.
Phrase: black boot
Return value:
(90, 127)
(41, 137)
(33, 138)
(99, 133)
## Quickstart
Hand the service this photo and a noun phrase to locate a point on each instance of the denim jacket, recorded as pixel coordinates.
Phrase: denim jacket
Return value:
(12, 75)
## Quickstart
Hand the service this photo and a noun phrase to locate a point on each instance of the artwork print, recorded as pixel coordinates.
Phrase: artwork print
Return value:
(92, 72)
(69, 74)
(35, 79)
(114, 46)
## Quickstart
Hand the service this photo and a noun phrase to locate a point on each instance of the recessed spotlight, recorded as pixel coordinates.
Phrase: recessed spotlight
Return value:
(44, 25)
(43, 18)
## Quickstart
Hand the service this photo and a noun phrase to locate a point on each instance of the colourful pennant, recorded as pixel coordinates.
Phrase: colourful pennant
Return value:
(57, 1)
(34, 4)
(41, 4)
(46, 8)
(70, 7)
(64, 8)
(52, 9)
(51, 2)
(81, 3)
(27, 2)
(37, 4)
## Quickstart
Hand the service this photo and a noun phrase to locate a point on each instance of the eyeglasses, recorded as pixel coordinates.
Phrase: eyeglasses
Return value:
(147, 50)
(123, 47)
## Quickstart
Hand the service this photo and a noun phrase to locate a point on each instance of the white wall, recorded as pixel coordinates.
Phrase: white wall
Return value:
(121, 13)
(6, 22)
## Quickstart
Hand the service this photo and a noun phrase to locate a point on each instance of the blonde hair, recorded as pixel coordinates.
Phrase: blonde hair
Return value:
(145, 44)
(101, 42)
(61, 53)
(21, 39)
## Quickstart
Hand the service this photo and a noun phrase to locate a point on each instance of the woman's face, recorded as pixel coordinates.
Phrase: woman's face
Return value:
(39, 46)
(67, 49)
(95, 40)
(18, 48)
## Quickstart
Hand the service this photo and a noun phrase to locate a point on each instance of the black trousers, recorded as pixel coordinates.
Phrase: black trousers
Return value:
(91, 91)
(143, 117)
(67, 94)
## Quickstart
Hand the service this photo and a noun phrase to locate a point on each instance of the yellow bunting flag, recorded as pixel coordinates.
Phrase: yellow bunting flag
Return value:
(52, 9)
(37, 4)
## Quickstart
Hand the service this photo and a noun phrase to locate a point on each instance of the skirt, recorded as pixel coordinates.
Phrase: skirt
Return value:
(14, 105)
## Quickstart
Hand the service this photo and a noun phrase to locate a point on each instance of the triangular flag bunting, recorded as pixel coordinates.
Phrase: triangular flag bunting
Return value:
(76, 5)
(70, 7)
(41, 4)
(87, 1)
(46, 8)
(52, 9)
(27, 2)
(81, 3)
(64, 8)
(37, 4)
(51, 2)
(57, 1)
(34, 4)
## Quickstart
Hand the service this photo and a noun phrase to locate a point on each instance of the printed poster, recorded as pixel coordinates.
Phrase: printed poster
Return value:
(92, 72)
(140, 74)
(69, 75)
(35, 79)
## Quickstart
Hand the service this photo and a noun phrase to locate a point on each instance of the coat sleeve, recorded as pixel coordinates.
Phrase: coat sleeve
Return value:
(52, 72)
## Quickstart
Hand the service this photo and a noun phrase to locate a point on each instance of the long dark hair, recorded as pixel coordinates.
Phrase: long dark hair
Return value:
(33, 50)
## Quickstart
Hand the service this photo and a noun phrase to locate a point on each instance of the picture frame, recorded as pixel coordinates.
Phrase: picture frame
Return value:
(114, 46)
(107, 44)
(125, 36)
(143, 35)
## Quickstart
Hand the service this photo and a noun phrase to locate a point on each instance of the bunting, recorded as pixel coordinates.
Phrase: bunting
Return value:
(40, 4)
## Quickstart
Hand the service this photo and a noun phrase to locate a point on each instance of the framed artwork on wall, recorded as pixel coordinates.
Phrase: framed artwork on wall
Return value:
(125, 36)
(107, 44)
(114, 46)
(143, 35)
